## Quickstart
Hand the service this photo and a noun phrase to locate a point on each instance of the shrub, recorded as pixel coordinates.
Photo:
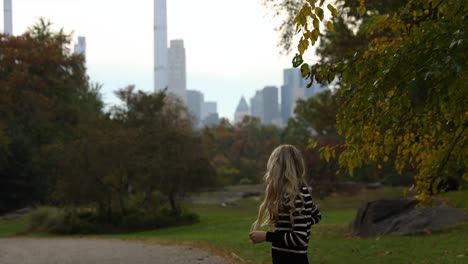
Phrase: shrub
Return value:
(91, 221)
(46, 219)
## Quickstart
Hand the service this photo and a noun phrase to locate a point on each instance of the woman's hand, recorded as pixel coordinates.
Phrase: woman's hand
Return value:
(257, 236)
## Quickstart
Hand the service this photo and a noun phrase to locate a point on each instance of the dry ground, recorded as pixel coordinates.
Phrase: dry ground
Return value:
(102, 251)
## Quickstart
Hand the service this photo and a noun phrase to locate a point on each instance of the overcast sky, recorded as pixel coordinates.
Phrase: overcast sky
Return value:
(230, 44)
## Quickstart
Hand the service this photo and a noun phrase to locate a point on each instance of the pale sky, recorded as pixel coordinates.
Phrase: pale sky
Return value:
(231, 45)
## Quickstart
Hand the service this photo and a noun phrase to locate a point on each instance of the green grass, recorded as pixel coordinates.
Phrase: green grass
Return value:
(457, 199)
(11, 228)
(224, 230)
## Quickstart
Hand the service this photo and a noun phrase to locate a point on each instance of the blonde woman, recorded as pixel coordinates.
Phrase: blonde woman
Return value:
(288, 207)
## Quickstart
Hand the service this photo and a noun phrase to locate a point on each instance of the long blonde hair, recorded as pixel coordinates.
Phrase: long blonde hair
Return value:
(284, 178)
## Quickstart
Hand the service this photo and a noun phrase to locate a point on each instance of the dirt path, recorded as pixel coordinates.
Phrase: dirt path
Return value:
(98, 251)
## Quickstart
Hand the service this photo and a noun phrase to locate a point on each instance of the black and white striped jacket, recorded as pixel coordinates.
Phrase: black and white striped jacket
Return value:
(294, 238)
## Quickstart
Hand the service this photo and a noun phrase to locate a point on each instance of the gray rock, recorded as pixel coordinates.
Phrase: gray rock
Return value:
(402, 217)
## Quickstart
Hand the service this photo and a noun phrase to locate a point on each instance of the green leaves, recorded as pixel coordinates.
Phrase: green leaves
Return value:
(333, 10)
(311, 13)
(315, 34)
(319, 12)
(305, 71)
(297, 60)
(330, 26)
(303, 45)
(316, 24)
(361, 10)
(331, 77)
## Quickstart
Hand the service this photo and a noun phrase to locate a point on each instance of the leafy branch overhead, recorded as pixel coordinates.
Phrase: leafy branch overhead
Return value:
(401, 72)
(312, 12)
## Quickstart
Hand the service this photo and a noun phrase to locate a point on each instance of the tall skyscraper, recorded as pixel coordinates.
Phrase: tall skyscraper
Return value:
(256, 105)
(194, 104)
(7, 17)
(177, 70)
(242, 110)
(80, 47)
(160, 45)
(270, 105)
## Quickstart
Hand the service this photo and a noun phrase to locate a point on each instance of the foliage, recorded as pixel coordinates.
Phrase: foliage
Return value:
(45, 219)
(44, 90)
(402, 84)
(119, 161)
(58, 146)
(314, 123)
(240, 152)
(89, 221)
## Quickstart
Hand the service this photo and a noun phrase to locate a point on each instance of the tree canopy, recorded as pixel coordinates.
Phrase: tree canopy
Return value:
(43, 90)
(402, 83)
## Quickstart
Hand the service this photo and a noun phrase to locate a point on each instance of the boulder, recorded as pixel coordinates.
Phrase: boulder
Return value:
(402, 217)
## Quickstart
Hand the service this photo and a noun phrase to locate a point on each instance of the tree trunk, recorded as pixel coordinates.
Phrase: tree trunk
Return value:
(174, 207)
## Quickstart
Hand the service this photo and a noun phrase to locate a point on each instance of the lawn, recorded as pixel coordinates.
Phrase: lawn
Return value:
(224, 230)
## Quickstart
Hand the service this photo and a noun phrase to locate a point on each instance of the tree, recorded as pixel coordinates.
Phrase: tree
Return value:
(404, 99)
(44, 88)
(314, 125)
(120, 161)
(241, 151)
(171, 157)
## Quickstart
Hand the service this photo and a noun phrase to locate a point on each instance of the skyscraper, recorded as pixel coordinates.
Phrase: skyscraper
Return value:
(194, 104)
(242, 110)
(270, 105)
(7, 17)
(295, 88)
(291, 90)
(256, 105)
(80, 47)
(208, 108)
(160, 45)
(177, 70)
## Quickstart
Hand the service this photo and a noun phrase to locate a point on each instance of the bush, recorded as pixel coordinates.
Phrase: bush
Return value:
(91, 221)
(46, 219)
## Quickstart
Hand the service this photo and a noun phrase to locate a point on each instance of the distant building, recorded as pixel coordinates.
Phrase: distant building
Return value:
(177, 83)
(194, 105)
(80, 47)
(211, 120)
(294, 88)
(242, 110)
(208, 108)
(270, 105)
(160, 45)
(256, 105)
(7, 17)
(291, 90)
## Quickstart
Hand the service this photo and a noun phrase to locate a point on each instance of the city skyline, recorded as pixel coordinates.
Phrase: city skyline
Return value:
(227, 57)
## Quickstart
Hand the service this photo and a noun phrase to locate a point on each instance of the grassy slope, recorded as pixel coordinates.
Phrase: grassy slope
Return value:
(224, 230)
